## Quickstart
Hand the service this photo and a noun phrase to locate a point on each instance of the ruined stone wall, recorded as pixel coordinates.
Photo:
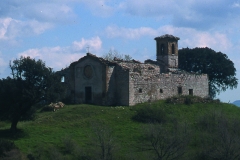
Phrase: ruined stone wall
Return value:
(110, 98)
(148, 85)
(122, 85)
(69, 78)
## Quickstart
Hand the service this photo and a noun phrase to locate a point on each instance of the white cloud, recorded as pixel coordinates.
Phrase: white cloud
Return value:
(11, 28)
(188, 13)
(42, 11)
(129, 33)
(189, 37)
(61, 57)
(94, 44)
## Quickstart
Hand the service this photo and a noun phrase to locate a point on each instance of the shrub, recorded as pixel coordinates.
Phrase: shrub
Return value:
(8, 150)
(150, 114)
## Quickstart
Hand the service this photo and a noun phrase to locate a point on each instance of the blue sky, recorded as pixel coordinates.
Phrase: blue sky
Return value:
(59, 31)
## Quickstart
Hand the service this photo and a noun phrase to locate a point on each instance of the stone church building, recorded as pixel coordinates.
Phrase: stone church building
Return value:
(95, 80)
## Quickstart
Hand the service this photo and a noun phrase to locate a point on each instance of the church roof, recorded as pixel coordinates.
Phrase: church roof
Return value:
(167, 36)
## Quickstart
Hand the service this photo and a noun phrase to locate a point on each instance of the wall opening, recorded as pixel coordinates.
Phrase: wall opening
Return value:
(162, 49)
(140, 90)
(173, 49)
(179, 90)
(88, 94)
(63, 79)
(161, 90)
(190, 91)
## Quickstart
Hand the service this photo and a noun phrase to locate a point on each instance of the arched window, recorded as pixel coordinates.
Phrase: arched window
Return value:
(162, 49)
(173, 49)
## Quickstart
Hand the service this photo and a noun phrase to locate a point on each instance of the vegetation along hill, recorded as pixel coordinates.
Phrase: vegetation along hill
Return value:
(179, 127)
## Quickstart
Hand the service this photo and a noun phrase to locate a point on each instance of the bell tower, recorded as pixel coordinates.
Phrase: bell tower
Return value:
(167, 51)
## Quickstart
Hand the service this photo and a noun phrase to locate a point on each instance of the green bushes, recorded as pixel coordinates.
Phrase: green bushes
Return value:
(189, 100)
(150, 114)
(8, 150)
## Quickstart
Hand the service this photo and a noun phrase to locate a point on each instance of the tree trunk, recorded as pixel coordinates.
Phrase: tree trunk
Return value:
(14, 123)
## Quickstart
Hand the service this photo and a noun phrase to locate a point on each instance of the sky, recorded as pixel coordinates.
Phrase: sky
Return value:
(62, 31)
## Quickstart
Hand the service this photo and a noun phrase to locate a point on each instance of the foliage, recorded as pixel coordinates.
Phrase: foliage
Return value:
(31, 83)
(69, 133)
(167, 143)
(188, 100)
(220, 137)
(8, 150)
(115, 54)
(150, 114)
(217, 65)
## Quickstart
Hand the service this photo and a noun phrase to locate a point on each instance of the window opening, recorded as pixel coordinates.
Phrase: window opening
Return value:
(140, 90)
(190, 92)
(161, 90)
(162, 48)
(179, 90)
(173, 49)
(63, 79)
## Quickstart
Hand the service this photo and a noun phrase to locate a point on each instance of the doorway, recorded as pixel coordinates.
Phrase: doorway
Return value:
(88, 94)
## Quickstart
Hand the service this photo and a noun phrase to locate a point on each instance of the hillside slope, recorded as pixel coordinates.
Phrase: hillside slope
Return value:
(59, 133)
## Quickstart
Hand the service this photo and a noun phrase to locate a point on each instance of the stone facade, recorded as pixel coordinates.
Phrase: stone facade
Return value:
(94, 80)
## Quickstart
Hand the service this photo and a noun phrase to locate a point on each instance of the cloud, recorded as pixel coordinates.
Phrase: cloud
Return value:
(129, 33)
(189, 37)
(42, 11)
(11, 28)
(195, 14)
(61, 57)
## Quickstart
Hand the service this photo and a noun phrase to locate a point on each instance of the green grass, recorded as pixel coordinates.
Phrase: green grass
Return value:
(77, 122)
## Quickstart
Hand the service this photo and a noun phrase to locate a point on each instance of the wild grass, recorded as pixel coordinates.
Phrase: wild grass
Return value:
(76, 123)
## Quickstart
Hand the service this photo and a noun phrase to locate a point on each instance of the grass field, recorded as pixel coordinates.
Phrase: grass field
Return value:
(78, 123)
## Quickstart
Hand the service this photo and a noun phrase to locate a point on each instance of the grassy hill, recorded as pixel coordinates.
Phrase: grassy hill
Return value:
(79, 131)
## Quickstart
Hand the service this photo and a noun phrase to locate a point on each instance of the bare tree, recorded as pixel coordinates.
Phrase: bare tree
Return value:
(115, 54)
(104, 141)
(222, 140)
(166, 143)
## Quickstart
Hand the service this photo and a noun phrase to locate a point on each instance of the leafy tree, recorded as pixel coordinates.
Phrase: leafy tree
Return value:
(32, 82)
(217, 65)
(115, 54)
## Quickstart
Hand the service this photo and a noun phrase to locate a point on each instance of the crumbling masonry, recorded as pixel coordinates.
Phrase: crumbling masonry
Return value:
(95, 80)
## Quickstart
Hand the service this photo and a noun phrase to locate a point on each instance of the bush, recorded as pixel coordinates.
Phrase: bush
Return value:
(8, 150)
(150, 114)
(187, 99)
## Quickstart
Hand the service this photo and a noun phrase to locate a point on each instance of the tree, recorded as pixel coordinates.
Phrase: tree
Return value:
(32, 82)
(114, 54)
(217, 65)
(167, 143)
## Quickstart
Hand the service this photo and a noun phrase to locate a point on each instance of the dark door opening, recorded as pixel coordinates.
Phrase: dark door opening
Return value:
(179, 90)
(191, 92)
(88, 94)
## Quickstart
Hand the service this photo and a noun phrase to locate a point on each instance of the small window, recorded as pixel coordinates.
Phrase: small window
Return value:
(173, 49)
(161, 90)
(190, 92)
(63, 79)
(179, 90)
(140, 90)
(162, 48)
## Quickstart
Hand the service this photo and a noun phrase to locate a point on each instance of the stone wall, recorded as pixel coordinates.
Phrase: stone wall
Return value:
(151, 86)
(96, 81)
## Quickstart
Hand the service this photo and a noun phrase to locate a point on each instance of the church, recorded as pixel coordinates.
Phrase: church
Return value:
(95, 80)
